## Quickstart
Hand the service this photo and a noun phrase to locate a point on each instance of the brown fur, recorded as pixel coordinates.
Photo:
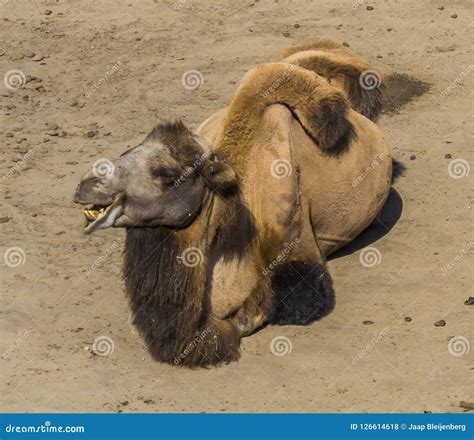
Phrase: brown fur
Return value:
(320, 108)
(341, 67)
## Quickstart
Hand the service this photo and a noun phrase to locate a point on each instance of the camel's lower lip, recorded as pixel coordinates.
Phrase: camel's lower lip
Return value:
(100, 217)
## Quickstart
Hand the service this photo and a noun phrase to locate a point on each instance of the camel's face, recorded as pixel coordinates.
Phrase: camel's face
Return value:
(153, 184)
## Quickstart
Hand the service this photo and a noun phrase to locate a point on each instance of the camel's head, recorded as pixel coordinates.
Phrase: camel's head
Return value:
(161, 182)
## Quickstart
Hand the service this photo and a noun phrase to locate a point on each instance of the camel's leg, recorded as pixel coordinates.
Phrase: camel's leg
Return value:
(298, 292)
(256, 309)
(302, 286)
(216, 341)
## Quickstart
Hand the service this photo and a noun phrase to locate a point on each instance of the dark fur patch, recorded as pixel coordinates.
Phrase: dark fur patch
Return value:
(169, 305)
(220, 177)
(335, 131)
(236, 232)
(302, 293)
(367, 102)
(183, 146)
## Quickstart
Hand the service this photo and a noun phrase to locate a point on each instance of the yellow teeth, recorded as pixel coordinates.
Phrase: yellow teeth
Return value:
(93, 213)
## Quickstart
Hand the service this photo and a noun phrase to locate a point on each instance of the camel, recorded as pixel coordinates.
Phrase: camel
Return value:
(228, 227)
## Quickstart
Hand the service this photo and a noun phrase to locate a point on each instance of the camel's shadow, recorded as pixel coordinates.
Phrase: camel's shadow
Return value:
(382, 225)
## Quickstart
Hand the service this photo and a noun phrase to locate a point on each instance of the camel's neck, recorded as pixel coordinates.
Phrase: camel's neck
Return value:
(164, 273)
(167, 273)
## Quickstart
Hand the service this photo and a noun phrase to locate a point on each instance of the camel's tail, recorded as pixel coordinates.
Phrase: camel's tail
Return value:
(321, 108)
(361, 81)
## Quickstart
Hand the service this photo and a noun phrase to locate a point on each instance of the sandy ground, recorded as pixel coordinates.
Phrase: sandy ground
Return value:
(98, 75)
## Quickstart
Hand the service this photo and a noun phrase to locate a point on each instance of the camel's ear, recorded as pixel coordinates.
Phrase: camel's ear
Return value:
(220, 177)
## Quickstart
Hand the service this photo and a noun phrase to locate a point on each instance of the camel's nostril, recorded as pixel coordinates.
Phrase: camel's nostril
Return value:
(77, 194)
(84, 187)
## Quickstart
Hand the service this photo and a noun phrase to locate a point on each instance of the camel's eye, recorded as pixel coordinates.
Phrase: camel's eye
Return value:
(167, 175)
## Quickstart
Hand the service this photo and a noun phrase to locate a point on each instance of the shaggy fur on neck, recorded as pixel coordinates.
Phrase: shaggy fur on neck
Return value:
(235, 233)
(170, 300)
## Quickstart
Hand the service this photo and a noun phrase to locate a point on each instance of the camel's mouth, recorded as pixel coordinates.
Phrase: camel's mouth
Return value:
(102, 216)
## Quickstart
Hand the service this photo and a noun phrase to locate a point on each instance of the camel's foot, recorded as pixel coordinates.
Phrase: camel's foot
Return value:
(247, 325)
(216, 342)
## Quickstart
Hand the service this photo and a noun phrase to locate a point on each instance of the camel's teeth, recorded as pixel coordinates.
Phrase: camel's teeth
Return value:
(89, 214)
